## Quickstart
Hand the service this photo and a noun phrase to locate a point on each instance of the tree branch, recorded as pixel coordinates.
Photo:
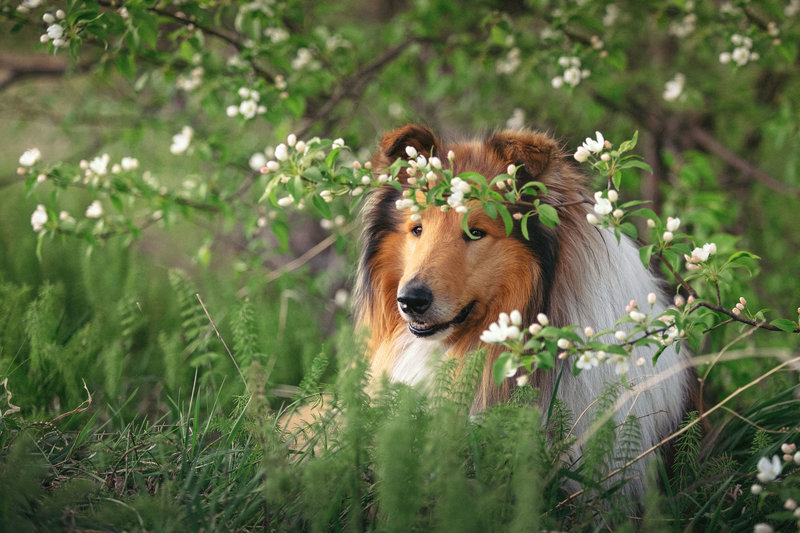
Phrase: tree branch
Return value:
(355, 84)
(707, 141)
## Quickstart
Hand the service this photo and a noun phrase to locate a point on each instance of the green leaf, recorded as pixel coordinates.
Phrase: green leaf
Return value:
(332, 157)
(629, 229)
(644, 212)
(738, 256)
(124, 63)
(490, 209)
(627, 146)
(645, 252)
(784, 325)
(321, 205)
(524, 225)
(548, 215)
(635, 163)
(506, 216)
(502, 366)
(313, 174)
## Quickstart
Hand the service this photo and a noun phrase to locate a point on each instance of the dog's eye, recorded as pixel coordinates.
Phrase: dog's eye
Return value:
(416, 231)
(474, 234)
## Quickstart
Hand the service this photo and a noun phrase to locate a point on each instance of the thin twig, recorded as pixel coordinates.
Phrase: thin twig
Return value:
(81, 408)
(223, 342)
(354, 85)
(306, 257)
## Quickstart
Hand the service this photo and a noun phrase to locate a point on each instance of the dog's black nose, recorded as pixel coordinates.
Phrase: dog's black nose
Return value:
(415, 298)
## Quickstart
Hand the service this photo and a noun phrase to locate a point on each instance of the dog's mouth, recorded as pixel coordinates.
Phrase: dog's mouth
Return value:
(426, 330)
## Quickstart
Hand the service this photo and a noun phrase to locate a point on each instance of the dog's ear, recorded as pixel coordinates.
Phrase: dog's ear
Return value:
(393, 146)
(533, 151)
(541, 159)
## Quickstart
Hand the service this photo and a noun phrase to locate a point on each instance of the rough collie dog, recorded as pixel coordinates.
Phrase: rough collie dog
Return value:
(426, 291)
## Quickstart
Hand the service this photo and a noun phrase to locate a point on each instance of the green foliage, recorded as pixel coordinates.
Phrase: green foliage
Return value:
(687, 451)
(205, 192)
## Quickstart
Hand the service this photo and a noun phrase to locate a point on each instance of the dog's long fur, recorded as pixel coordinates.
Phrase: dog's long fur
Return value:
(574, 273)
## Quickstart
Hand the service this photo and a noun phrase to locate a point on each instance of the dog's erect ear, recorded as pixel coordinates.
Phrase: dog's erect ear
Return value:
(534, 151)
(393, 145)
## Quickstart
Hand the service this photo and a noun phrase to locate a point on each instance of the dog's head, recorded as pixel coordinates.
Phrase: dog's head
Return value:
(437, 280)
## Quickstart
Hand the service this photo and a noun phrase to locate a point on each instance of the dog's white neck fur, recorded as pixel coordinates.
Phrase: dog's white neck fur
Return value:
(417, 358)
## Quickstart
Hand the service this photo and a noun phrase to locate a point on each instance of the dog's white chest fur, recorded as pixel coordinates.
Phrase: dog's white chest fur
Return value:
(416, 360)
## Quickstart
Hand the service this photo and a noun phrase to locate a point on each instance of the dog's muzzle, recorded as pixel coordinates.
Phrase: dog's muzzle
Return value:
(414, 299)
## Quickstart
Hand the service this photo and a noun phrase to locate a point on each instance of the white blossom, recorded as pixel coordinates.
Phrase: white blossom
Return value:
(602, 205)
(581, 154)
(39, 218)
(281, 152)
(768, 470)
(587, 360)
(99, 165)
(338, 143)
(622, 364)
(257, 161)
(501, 331)
(248, 109)
(95, 210)
(129, 163)
(637, 316)
(674, 87)
(181, 141)
(286, 201)
(30, 157)
(595, 145)
(673, 224)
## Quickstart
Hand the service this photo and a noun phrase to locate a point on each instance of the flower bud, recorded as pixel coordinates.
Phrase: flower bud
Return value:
(593, 220)
(542, 318)
(756, 489)
(620, 335)
(588, 331)
(673, 224)
(564, 344)
(651, 223)
(511, 169)
(411, 151)
(605, 157)
(618, 213)
(668, 236)
(651, 298)
(291, 139)
(535, 328)
(613, 195)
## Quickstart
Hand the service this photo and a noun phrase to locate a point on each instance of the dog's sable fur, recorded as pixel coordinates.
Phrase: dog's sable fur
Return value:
(425, 292)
